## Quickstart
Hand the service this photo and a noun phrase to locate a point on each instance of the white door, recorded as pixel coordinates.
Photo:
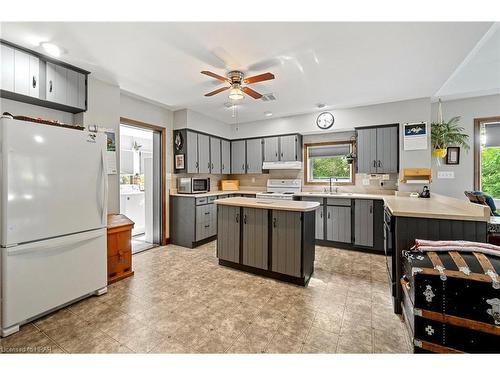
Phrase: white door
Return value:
(7, 68)
(40, 276)
(54, 181)
(21, 72)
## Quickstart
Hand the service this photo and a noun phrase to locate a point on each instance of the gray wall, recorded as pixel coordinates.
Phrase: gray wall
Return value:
(468, 109)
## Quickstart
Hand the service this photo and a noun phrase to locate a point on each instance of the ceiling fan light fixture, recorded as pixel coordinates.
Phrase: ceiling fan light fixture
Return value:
(235, 94)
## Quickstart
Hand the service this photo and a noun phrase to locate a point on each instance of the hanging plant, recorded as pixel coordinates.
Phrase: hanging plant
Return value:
(444, 134)
(350, 158)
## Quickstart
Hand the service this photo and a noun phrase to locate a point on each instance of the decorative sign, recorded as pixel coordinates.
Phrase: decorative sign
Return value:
(453, 155)
(179, 161)
(179, 142)
(415, 136)
(111, 151)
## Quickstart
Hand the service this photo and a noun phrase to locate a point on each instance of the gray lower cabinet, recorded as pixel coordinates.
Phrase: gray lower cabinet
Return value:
(203, 153)
(255, 238)
(363, 222)
(238, 157)
(228, 220)
(254, 155)
(215, 155)
(338, 224)
(271, 149)
(225, 156)
(320, 227)
(206, 221)
(286, 242)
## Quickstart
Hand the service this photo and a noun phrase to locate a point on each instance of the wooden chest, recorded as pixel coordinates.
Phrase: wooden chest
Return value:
(451, 301)
(119, 248)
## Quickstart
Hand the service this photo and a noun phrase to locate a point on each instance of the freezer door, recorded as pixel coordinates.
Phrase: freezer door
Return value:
(43, 275)
(54, 181)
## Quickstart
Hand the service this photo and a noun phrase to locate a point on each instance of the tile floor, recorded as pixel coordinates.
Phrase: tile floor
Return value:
(182, 301)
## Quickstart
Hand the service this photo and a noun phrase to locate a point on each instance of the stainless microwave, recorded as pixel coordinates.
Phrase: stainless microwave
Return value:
(191, 185)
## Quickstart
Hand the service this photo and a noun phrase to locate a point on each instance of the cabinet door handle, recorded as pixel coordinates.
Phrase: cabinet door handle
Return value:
(375, 163)
(379, 163)
(244, 219)
(371, 209)
(328, 215)
(34, 82)
(206, 226)
(223, 166)
(196, 164)
(243, 167)
(207, 213)
(276, 154)
(237, 218)
(50, 86)
(321, 214)
(274, 222)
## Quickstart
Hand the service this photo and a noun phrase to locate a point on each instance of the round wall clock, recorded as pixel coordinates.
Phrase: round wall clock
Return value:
(325, 120)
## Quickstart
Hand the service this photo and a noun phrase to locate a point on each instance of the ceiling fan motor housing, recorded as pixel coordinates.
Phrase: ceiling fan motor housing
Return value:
(235, 76)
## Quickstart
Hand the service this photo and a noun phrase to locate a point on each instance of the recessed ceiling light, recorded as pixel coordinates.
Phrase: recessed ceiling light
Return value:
(268, 114)
(51, 49)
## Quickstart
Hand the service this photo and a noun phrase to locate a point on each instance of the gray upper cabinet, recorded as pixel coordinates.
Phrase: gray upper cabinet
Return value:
(286, 242)
(192, 152)
(226, 156)
(255, 238)
(254, 155)
(7, 66)
(203, 153)
(378, 149)
(238, 157)
(271, 149)
(215, 155)
(289, 148)
(20, 72)
(75, 92)
(338, 224)
(228, 220)
(363, 222)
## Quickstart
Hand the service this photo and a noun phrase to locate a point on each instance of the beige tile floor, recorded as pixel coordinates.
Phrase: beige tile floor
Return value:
(182, 301)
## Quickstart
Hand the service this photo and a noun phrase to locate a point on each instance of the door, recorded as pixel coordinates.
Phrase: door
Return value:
(40, 276)
(34, 77)
(192, 152)
(226, 156)
(286, 242)
(228, 234)
(50, 82)
(55, 179)
(271, 149)
(203, 153)
(238, 157)
(363, 222)
(61, 84)
(215, 155)
(254, 155)
(21, 72)
(338, 226)
(367, 150)
(255, 238)
(320, 223)
(387, 149)
(7, 68)
(288, 146)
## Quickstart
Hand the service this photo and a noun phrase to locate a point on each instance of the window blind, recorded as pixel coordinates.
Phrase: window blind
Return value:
(492, 134)
(328, 151)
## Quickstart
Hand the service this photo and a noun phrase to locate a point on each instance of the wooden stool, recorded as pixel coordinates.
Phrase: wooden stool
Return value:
(119, 247)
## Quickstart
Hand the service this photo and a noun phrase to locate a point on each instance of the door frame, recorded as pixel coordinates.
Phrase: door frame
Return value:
(163, 158)
(477, 148)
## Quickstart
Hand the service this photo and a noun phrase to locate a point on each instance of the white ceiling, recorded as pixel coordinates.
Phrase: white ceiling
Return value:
(339, 64)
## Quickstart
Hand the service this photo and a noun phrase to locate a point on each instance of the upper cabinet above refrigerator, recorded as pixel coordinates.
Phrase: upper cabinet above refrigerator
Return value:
(30, 77)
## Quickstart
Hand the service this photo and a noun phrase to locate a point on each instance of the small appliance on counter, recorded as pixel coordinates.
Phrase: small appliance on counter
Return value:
(281, 189)
(192, 185)
(229, 185)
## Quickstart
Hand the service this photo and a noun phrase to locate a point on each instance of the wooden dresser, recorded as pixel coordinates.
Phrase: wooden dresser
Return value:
(119, 247)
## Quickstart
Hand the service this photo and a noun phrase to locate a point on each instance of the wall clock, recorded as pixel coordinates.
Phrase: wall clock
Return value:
(325, 120)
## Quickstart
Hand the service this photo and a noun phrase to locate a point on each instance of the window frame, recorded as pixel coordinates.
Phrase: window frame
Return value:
(350, 142)
(477, 148)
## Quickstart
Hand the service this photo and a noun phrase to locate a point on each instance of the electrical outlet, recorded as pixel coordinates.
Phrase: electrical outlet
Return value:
(446, 174)
(366, 181)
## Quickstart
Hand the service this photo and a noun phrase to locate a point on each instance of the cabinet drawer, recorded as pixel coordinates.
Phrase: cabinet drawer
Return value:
(338, 202)
(211, 199)
(203, 200)
(313, 199)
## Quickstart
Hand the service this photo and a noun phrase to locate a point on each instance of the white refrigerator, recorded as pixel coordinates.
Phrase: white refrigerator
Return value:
(53, 208)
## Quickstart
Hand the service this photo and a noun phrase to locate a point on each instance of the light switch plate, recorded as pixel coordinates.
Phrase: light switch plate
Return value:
(446, 174)
(366, 181)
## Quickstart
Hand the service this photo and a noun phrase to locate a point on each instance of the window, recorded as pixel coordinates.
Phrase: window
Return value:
(487, 155)
(325, 161)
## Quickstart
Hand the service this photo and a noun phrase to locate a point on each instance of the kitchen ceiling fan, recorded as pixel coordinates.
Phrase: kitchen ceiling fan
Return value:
(235, 78)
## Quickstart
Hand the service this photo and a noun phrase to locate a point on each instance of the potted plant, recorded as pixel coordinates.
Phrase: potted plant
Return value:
(350, 158)
(444, 134)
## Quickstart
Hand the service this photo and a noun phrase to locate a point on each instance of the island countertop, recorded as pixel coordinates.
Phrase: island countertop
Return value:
(269, 204)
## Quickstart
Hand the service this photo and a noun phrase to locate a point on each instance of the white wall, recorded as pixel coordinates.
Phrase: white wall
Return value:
(186, 118)
(468, 109)
(18, 108)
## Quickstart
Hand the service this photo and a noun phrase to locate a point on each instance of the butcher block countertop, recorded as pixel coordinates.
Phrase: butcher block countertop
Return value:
(269, 204)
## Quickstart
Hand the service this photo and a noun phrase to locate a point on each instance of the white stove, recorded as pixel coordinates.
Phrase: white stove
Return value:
(281, 189)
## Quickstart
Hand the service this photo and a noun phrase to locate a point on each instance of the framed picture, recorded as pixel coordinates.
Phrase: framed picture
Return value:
(179, 161)
(453, 155)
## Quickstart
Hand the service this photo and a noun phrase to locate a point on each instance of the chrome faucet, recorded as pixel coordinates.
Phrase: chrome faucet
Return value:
(331, 187)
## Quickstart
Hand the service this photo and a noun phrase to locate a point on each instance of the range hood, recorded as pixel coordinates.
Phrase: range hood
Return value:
(282, 165)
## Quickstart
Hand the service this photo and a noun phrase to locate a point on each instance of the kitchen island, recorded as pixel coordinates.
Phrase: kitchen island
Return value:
(273, 238)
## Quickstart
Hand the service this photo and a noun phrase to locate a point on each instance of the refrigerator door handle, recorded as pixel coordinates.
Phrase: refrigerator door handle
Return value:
(53, 244)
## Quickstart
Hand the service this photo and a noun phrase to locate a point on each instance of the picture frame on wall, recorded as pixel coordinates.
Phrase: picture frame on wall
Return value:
(453, 155)
(179, 161)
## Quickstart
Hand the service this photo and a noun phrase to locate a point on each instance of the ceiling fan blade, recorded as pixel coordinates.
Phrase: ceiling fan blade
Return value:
(217, 91)
(259, 78)
(216, 76)
(254, 94)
